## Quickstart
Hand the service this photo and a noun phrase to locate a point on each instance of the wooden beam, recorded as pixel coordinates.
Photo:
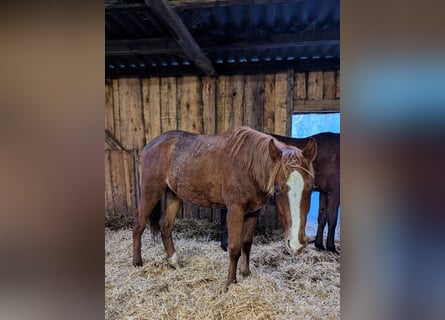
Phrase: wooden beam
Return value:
(143, 46)
(165, 12)
(298, 65)
(112, 142)
(223, 3)
(316, 106)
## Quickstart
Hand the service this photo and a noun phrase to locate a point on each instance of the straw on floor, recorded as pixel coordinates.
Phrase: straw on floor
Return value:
(281, 286)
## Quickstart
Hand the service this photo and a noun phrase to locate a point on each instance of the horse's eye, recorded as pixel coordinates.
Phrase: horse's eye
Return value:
(277, 190)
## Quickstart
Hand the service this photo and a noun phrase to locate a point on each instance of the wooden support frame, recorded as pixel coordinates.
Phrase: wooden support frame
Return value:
(191, 48)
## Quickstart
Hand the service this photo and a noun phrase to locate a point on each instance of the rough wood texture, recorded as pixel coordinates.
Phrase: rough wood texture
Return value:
(209, 104)
(237, 93)
(337, 84)
(316, 106)
(329, 85)
(109, 106)
(269, 103)
(315, 85)
(281, 103)
(116, 110)
(131, 124)
(222, 100)
(254, 101)
(191, 105)
(168, 104)
(300, 91)
(151, 101)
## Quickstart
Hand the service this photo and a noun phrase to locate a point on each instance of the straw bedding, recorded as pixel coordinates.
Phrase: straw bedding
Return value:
(281, 286)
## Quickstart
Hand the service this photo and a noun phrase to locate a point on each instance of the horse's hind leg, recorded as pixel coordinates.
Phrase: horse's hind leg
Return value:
(332, 213)
(148, 201)
(167, 223)
(250, 221)
(322, 219)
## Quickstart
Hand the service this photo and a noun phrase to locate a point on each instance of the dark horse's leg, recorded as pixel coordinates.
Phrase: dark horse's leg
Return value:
(332, 213)
(149, 198)
(250, 221)
(322, 219)
(223, 229)
(167, 223)
(235, 219)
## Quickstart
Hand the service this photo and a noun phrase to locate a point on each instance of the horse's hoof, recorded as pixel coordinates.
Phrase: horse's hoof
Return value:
(320, 247)
(333, 250)
(245, 273)
(173, 261)
(137, 262)
(224, 247)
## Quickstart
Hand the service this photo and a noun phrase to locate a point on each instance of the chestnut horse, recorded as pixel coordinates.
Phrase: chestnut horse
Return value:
(238, 170)
(327, 182)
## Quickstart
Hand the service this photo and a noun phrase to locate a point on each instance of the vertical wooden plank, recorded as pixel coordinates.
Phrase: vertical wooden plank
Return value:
(329, 85)
(315, 85)
(209, 120)
(191, 105)
(254, 101)
(128, 168)
(116, 110)
(337, 85)
(168, 104)
(220, 103)
(289, 100)
(109, 204)
(228, 106)
(118, 183)
(209, 104)
(123, 112)
(300, 91)
(237, 101)
(281, 103)
(131, 126)
(151, 101)
(269, 103)
(109, 112)
(191, 111)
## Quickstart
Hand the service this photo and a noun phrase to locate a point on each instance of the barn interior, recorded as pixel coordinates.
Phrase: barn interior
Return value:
(206, 66)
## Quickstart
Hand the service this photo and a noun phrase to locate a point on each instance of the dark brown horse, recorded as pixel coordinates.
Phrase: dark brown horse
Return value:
(239, 170)
(327, 182)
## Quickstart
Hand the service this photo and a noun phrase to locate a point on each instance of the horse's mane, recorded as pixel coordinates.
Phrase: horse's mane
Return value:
(250, 149)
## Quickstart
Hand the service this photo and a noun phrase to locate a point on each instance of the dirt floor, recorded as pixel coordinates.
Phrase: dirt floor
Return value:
(281, 286)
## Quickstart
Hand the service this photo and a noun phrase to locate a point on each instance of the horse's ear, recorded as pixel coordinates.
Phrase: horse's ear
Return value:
(274, 151)
(310, 150)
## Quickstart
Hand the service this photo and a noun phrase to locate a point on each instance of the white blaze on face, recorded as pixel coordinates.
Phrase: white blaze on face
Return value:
(295, 183)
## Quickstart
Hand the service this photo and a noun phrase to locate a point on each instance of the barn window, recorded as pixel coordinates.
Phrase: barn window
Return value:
(307, 124)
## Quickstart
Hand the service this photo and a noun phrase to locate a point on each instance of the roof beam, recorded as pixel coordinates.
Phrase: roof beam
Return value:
(181, 34)
(223, 3)
(142, 46)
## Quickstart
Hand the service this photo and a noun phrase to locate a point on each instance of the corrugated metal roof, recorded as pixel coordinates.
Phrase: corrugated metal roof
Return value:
(235, 36)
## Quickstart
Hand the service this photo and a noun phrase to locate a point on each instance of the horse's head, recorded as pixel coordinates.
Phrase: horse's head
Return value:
(293, 184)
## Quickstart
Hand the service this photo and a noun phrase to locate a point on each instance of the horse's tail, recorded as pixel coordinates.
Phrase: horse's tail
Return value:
(155, 216)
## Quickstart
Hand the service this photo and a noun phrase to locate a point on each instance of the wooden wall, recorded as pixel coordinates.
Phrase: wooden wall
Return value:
(137, 110)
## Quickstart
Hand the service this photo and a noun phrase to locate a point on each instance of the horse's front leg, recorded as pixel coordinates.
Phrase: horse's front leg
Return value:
(167, 223)
(250, 221)
(235, 218)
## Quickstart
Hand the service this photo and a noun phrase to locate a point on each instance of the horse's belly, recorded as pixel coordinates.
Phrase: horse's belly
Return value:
(201, 199)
